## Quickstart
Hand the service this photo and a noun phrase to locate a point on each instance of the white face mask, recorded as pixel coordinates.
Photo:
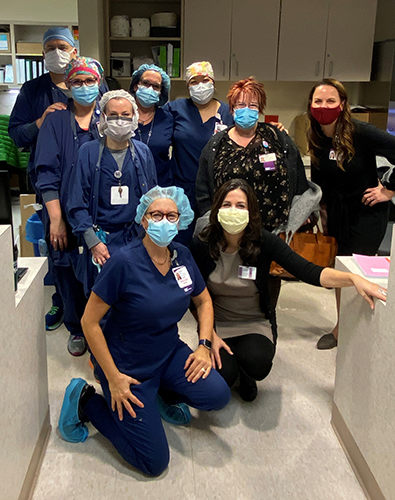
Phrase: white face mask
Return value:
(202, 93)
(120, 129)
(57, 60)
(233, 220)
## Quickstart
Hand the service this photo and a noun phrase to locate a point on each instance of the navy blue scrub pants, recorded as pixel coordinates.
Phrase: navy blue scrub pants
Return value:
(74, 301)
(141, 441)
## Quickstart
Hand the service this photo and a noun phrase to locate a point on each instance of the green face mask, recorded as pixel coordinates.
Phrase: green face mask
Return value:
(233, 220)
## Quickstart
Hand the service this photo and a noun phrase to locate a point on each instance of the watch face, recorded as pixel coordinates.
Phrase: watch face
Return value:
(206, 343)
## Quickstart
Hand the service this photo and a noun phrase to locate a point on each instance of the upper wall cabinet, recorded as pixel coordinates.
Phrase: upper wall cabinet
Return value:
(331, 38)
(238, 38)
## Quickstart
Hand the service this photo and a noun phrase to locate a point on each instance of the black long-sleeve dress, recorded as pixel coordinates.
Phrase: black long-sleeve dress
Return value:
(358, 228)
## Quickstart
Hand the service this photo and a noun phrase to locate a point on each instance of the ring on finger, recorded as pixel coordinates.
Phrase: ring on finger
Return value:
(203, 370)
(382, 291)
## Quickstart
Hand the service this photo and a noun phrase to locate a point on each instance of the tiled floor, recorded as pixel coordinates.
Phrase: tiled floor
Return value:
(279, 447)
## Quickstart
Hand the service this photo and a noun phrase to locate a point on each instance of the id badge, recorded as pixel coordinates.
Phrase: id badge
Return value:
(269, 161)
(247, 272)
(332, 154)
(182, 277)
(219, 127)
(119, 195)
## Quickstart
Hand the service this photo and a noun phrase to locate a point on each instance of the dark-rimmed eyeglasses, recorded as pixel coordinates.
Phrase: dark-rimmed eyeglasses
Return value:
(157, 216)
(89, 82)
(148, 84)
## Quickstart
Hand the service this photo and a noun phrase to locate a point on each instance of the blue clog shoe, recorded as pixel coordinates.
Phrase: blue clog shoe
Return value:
(177, 414)
(70, 425)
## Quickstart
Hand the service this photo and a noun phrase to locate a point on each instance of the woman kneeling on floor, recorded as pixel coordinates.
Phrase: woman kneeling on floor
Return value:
(234, 257)
(148, 285)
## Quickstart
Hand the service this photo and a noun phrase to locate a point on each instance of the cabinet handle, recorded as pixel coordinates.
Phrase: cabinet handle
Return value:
(237, 67)
(223, 68)
(330, 68)
(317, 68)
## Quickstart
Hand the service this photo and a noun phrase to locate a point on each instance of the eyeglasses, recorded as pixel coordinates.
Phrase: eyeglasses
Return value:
(157, 216)
(243, 105)
(155, 86)
(89, 82)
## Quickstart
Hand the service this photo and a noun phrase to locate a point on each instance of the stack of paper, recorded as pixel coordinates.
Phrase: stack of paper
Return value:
(373, 266)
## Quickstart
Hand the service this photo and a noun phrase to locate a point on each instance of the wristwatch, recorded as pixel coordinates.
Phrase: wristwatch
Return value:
(206, 343)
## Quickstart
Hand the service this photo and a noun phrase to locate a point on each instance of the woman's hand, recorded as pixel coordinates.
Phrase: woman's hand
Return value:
(121, 395)
(368, 290)
(216, 344)
(198, 364)
(58, 233)
(280, 126)
(377, 194)
(100, 253)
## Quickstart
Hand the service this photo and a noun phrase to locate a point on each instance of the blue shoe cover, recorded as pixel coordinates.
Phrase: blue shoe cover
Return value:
(70, 426)
(177, 414)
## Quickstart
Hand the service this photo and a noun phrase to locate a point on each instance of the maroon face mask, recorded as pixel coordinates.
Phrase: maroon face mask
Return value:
(325, 116)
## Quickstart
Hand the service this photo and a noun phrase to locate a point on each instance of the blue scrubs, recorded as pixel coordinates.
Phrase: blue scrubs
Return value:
(142, 336)
(55, 158)
(91, 194)
(34, 98)
(157, 135)
(189, 138)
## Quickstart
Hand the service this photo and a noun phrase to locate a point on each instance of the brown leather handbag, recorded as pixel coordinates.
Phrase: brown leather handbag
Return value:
(315, 247)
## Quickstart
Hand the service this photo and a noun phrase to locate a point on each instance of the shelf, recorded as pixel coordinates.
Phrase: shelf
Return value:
(5, 53)
(145, 39)
(28, 55)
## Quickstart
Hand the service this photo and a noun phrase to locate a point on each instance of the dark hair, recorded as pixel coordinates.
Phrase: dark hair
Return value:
(249, 86)
(342, 141)
(213, 235)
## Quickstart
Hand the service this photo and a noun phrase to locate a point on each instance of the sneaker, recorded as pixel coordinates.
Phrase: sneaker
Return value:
(177, 414)
(71, 427)
(248, 389)
(327, 341)
(54, 318)
(76, 345)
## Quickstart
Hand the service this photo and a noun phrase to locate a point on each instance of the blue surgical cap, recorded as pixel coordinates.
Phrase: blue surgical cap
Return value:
(164, 94)
(173, 193)
(58, 33)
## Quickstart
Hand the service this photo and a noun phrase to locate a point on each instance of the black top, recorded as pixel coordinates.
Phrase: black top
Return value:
(273, 248)
(254, 163)
(205, 184)
(361, 172)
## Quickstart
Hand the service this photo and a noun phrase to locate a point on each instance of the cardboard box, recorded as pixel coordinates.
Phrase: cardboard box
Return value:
(5, 44)
(302, 124)
(32, 48)
(25, 246)
(377, 118)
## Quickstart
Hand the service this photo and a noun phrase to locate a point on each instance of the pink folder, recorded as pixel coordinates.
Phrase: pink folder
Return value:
(373, 266)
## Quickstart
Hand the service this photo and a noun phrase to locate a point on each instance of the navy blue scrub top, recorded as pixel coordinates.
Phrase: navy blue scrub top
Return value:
(141, 329)
(159, 143)
(109, 217)
(190, 136)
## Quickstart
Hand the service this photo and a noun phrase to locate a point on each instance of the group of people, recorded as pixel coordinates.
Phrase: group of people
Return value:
(151, 208)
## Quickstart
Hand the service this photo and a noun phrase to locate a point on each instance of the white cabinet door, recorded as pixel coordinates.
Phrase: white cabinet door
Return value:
(207, 29)
(350, 39)
(301, 51)
(255, 25)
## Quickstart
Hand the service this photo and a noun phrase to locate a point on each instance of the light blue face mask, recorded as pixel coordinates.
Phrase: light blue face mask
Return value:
(245, 117)
(147, 97)
(163, 232)
(85, 95)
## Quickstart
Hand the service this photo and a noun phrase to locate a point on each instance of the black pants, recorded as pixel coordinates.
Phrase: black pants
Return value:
(252, 355)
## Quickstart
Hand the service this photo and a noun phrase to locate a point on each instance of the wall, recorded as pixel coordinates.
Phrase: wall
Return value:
(40, 11)
(91, 22)
(385, 20)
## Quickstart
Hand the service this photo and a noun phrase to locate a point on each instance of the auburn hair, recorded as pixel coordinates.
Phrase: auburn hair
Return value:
(248, 86)
(213, 235)
(342, 140)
